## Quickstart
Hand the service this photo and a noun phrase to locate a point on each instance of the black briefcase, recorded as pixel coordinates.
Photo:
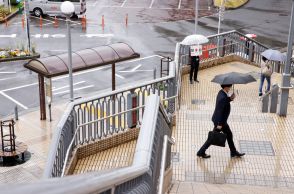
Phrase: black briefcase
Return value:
(217, 138)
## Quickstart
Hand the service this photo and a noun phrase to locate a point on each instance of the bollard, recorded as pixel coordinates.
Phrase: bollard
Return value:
(6, 22)
(50, 113)
(127, 20)
(41, 22)
(103, 24)
(83, 23)
(23, 22)
(264, 104)
(55, 22)
(154, 73)
(16, 113)
(274, 96)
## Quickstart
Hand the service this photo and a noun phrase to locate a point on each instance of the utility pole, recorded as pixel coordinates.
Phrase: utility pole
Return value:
(27, 19)
(283, 105)
(196, 15)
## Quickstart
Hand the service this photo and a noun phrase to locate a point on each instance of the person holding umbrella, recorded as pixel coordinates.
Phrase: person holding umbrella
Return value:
(223, 108)
(266, 69)
(266, 73)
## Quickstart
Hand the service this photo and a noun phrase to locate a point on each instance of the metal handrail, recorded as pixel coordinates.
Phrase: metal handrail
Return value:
(94, 121)
(166, 140)
(79, 127)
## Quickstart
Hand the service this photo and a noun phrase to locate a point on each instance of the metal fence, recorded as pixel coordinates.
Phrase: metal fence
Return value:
(104, 115)
(141, 178)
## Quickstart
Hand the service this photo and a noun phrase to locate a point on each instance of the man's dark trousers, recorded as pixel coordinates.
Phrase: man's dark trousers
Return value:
(226, 129)
(194, 68)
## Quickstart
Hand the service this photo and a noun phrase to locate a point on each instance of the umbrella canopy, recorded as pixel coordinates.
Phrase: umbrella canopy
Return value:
(274, 55)
(194, 40)
(233, 78)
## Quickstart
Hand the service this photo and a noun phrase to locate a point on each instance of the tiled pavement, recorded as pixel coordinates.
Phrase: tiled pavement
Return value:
(116, 157)
(266, 138)
(37, 135)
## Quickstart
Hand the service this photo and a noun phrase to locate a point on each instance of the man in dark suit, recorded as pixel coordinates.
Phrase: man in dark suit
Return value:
(219, 119)
(194, 68)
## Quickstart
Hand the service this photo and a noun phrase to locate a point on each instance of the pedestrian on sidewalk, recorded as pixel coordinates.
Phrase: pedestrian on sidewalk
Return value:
(220, 118)
(265, 73)
(195, 60)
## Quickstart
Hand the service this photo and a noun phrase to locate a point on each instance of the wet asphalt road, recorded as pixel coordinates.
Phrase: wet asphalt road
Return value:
(150, 31)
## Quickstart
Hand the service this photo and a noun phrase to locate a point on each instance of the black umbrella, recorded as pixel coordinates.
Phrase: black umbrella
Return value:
(233, 78)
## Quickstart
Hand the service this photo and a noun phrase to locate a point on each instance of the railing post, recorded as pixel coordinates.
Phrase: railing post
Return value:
(265, 101)
(251, 51)
(132, 102)
(274, 98)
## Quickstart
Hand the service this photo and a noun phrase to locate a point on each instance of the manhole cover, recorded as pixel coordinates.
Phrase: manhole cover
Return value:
(264, 148)
(198, 102)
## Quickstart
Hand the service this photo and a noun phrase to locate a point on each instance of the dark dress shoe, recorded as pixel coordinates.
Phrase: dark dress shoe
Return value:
(237, 154)
(203, 155)
(196, 80)
(191, 82)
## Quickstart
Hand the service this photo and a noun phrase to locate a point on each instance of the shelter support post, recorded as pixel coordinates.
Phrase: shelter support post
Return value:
(42, 98)
(113, 76)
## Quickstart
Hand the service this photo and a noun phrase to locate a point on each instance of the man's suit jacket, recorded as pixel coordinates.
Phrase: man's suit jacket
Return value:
(222, 108)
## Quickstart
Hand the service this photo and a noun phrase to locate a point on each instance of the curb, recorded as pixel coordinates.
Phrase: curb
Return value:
(10, 16)
(231, 4)
(37, 55)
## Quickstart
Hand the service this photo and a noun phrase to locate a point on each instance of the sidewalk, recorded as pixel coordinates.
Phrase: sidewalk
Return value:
(37, 135)
(266, 138)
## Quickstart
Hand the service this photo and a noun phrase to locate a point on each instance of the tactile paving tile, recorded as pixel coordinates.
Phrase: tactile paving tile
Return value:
(257, 147)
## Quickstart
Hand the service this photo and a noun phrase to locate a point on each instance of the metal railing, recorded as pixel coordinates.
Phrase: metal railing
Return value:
(141, 177)
(106, 106)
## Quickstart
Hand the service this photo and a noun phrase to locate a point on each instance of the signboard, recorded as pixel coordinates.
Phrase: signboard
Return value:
(196, 50)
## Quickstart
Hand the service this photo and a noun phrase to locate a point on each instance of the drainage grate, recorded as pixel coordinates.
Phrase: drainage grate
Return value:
(198, 102)
(175, 156)
(264, 148)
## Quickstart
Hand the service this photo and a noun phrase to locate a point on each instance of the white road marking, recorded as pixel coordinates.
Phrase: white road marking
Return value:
(137, 67)
(7, 72)
(18, 87)
(55, 89)
(76, 89)
(78, 73)
(180, 2)
(136, 71)
(13, 100)
(96, 35)
(8, 36)
(7, 78)
(58, 35)
(46, 36)
(120, 76)
(123, 4)
(151, 4)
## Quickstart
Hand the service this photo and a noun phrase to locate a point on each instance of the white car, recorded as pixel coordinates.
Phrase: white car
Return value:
(52, 7)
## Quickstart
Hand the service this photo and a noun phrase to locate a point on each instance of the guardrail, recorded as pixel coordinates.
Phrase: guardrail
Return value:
(105, 106)
(142, 177)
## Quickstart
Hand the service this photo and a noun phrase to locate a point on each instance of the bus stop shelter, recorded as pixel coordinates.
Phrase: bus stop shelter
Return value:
(57, 65)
